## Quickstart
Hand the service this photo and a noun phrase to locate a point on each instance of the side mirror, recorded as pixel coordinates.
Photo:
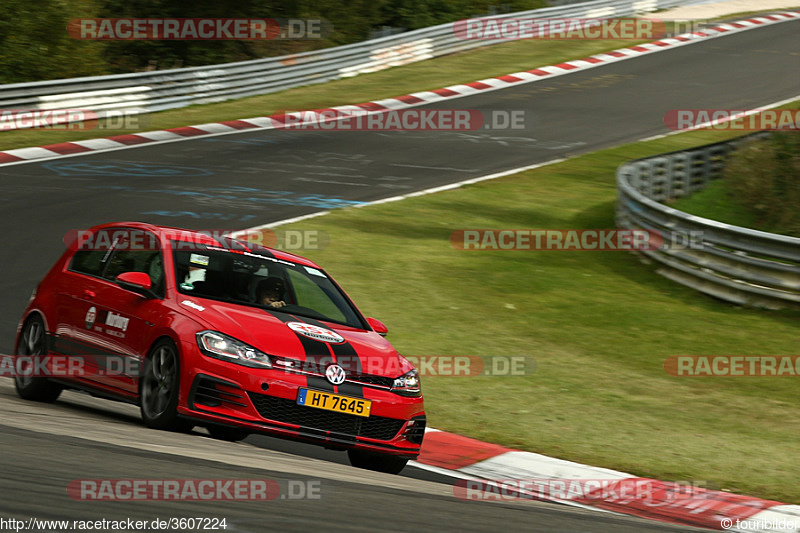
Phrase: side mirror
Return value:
(378, 326)
(137, 282)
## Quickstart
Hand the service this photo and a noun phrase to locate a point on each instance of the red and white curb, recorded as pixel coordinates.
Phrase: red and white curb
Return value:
(470, 459)
(120, 142)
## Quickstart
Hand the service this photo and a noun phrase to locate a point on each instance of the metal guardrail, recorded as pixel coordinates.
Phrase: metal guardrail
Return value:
(738, 265)
(169, 89)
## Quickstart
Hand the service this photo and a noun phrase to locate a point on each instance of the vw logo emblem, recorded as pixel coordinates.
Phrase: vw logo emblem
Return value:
(335, 374)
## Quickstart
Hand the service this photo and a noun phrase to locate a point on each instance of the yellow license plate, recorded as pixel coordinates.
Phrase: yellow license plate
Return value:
(333, 402)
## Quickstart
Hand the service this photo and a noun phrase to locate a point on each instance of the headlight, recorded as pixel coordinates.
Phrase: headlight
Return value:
(407, 384)
(221, 346)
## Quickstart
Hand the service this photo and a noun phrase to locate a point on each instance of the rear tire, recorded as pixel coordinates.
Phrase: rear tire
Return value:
(159, 388)
(379, 462)
(228, 433)
(32, 342)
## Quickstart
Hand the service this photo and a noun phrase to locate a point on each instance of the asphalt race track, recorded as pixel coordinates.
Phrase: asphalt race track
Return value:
(255, 177)
(84, 441)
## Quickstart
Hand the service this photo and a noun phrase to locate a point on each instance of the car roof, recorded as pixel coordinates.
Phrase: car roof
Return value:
(203, 237)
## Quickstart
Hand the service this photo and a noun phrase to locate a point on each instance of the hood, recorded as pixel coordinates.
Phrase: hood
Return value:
(300, 338)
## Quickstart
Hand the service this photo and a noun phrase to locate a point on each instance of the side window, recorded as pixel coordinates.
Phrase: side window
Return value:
(134, 254)
(93, 250)
(88, 262)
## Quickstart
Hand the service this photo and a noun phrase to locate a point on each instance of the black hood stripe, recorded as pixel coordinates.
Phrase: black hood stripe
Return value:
(347, 352)
(343, 352)
(319, 352)
(316, 352)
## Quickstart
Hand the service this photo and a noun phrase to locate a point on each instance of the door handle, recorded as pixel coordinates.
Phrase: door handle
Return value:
(88, 295)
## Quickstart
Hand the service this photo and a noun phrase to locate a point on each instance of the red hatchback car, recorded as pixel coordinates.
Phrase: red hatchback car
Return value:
(199, 329)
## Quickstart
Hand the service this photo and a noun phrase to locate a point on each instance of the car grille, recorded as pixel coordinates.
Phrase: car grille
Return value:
(369, 379)
(310, 367)
(282, 410)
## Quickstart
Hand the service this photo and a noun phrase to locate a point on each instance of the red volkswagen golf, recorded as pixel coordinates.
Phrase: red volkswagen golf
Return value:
(199, 329)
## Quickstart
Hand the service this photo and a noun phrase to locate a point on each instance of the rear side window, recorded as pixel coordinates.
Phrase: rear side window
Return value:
(88, 262)
(92, 253)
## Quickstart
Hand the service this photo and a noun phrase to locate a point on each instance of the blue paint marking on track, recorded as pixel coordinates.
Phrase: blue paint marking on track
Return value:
(285, 136)
(202, 215)
(124, 168)
(247, 140)
(242, 195)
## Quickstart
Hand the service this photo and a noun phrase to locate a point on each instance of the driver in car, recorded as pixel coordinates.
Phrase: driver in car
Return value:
(270, 292)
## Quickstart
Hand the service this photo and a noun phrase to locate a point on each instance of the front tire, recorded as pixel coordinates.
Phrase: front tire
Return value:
(159, 388)
(33, 343)
(390, 464)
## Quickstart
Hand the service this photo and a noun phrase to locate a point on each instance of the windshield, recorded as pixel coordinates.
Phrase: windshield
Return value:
(260, 280)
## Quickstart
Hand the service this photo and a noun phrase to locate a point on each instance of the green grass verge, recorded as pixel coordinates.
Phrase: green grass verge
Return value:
(717, 203)
(599, 325)
(496, 60)
(747, 14)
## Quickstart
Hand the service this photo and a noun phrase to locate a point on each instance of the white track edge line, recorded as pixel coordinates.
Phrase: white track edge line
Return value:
(704, 125)
(422, 192)
(486, 177)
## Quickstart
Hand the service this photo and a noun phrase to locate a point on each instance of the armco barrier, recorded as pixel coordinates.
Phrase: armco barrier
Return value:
(169, 89)
(736, 264)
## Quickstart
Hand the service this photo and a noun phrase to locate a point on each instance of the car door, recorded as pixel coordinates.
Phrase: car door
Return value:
(126, 320)
(107, 326)
(76, 330)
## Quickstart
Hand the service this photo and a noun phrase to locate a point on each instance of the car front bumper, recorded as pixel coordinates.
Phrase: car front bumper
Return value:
(265, 401)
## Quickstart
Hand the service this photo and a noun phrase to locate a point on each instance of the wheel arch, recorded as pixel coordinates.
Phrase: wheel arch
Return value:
(162, 337)
(172, 338)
